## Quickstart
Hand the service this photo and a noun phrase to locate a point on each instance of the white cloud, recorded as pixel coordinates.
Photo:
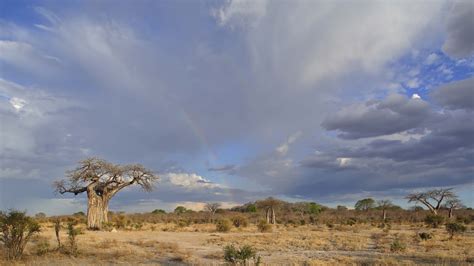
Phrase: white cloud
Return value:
(343, 162)
(284, 147)
(17, 103)
(413, 83)
(189, 181)
(243, 12)
(415, 96)
(431, 59)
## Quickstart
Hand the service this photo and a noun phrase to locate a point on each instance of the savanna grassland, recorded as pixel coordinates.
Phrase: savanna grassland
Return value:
(331, 237)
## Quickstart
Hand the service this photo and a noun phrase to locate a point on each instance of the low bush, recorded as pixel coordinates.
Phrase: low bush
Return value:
(241, 255)
(425, 236)
(17, 229)
(434, 220)
(240, 221)
(397, 246)
(223, 225)
(454, 229)
(263, 226)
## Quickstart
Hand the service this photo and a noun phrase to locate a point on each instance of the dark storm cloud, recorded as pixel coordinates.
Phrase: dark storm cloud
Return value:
(456, 95)
(460, 30)
(392, 115)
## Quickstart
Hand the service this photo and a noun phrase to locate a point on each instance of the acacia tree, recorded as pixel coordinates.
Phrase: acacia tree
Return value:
(432, 199)
(365, 204)
(101, 180)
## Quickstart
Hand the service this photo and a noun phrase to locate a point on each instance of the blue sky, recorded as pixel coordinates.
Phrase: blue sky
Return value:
(236, 100)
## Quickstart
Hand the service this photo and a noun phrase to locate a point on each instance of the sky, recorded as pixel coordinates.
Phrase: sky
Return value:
(236, 100)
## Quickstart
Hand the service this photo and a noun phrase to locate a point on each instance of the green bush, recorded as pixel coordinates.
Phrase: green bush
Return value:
(454, 229)
(263, 226)
(72, 233)
(223, 225)
(17, 229)
(240, 256)
(434, 220)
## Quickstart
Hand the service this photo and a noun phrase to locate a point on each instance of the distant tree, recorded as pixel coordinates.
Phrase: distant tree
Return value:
(384, 205)
(432, 199)
(40, 215)
(101, 180)
(212, 207)
(365, 204)
(452, 204)
(158, 211)
(341, 208)
(180, 210)
(416, 208)
(251, 208)
(269, 205)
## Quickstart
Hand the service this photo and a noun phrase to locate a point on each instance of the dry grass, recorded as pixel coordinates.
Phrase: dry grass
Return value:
(309, 244)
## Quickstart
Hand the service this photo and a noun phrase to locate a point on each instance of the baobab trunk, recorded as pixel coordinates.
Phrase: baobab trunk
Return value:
(450, 214)
(273, 216)
(97, 210)
(267, 215)
(384, 214)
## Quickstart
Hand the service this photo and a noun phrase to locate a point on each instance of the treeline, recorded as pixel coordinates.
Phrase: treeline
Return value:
(275, 211)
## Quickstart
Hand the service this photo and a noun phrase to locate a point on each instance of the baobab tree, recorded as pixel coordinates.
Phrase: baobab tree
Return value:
(432, 199)
(452, 204)
(384, 205)
(269, 204)
(101, 180)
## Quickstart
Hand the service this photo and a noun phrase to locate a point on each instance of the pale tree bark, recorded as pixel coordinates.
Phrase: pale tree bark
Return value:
(102, 180)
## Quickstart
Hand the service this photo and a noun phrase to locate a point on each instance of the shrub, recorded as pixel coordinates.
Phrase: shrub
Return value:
(425, 236)
(240, 221)
(454, 229)
(351, 221)
(17, 229)
(223, 225)
(434, 221)
(72, 233)
(263, 226)
(397, 246)
(57, 228)
(42, 247)
(240, 256)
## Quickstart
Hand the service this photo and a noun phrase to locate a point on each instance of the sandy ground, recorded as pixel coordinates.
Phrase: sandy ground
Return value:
(304, 245)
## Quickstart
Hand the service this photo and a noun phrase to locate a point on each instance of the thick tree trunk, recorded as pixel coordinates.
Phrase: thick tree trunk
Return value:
(273, 216)
(267, 215)
(97, 210)
(450, 215)
(384, 214)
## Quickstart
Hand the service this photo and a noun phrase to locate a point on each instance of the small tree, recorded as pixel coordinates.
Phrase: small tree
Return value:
(432, 199)
(17, 229)
(452, 204)
(57, 229)
(365, 204)
(72, 233)
(454, 229)
(212, 207)
(384, 205)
